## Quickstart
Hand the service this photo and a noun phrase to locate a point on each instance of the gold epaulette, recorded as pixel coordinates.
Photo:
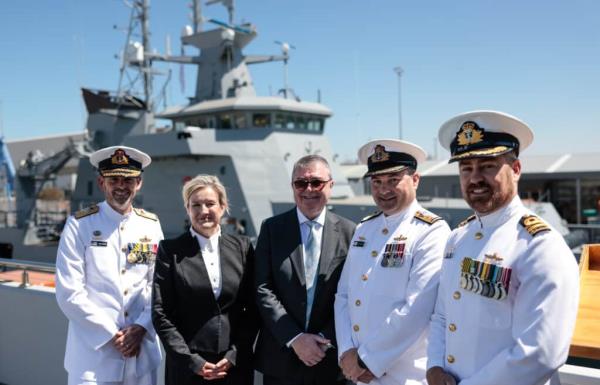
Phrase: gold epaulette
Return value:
(93, 209)
(429, 219)
(146, 214)
(369, 217)
(533, 224)
(469, 219)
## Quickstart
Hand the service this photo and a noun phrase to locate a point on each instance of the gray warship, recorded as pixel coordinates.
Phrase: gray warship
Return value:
(249, 141)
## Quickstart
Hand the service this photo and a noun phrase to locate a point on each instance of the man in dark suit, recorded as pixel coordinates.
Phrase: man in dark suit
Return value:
(299, 259)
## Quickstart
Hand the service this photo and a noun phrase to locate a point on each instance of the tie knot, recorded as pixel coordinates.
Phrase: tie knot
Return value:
(311, 224)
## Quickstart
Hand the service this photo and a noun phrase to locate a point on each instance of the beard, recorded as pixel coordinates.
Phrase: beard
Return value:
(121, 197)
(484, 199)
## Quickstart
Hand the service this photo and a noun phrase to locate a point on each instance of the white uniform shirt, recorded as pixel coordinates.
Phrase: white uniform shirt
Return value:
(515, 336)
(386, 293)
(209, 247)
(101, 292)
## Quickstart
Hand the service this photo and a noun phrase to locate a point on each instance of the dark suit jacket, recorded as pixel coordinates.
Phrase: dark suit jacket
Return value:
(193, 326)
(281, 294)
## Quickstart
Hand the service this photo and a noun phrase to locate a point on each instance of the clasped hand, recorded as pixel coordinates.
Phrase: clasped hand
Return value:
(438, 376)
(351, 369)
(310, 348)
(216, 371)
(128, 340)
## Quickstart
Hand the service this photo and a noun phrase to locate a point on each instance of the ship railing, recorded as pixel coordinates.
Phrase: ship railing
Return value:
(8, 268)
(8, 218)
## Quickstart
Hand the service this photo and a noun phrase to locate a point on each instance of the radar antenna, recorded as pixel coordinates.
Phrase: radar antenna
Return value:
(285, 51)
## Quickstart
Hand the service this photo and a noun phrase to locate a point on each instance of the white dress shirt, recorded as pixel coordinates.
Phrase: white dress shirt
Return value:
(211, 256)
(304, 232)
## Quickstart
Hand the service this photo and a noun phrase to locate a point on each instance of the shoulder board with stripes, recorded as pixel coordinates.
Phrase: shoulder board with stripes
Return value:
(429, 219)
(146, 214)
(533, 224)
(369, 217)
(469, 219)
(86, 211)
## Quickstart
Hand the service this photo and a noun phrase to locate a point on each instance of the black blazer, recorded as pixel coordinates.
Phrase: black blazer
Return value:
(193, 326)
(281, 294)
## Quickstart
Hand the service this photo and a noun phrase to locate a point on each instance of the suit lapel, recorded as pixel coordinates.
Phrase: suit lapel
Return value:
(328, 244)
(296, 255)
(328, 247)
(231, 266)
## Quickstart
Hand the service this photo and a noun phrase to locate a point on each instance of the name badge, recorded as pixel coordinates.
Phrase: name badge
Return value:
(358, 244)
(99, 243)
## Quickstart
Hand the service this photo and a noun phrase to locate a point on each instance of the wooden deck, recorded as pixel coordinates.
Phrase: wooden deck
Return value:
(586, 340)
(35, 277)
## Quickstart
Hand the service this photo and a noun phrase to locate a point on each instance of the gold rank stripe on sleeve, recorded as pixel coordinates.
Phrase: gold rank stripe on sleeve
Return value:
(146, 214)
(369, 217)
(469, 219)
(86, 212)
(486, 279)
(429, 219)
(533, 224)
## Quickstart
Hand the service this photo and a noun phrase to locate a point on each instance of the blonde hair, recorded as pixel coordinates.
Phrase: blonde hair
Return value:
(203, 181)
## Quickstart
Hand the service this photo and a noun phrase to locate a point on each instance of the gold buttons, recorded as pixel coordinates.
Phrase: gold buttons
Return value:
(357, 303)
(122, 228)
(385, 231)
(456, 295)
(452, 327)
(355, 328)
(374, 253)
(124, 249)
(364, 277)
(450, 359)
(123, 271)
(478, 235)
(125, 292)
(126, 314)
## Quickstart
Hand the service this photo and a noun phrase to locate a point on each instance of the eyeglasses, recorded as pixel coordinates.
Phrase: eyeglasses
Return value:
(316, 184)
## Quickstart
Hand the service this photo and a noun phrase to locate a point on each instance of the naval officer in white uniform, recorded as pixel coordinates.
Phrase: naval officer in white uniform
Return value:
(104, 270)
(509, 284)
(388, 286)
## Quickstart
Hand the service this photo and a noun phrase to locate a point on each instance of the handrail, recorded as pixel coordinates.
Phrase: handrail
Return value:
(27, 266)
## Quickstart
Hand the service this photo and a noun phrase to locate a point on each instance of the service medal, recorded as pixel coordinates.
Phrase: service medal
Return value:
(132, 257)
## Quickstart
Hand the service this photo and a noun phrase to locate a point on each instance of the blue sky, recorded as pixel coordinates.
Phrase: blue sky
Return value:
(538, 60)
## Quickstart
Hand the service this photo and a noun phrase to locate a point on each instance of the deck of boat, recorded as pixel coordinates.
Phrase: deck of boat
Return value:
(586, 339)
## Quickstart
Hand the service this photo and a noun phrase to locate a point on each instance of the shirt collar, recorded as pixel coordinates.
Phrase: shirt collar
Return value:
(403, 214)
(320, 219)
(501, 215)
(207, 243)
(112, 213)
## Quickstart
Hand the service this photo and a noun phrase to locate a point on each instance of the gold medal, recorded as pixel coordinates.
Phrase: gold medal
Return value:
(132, 258)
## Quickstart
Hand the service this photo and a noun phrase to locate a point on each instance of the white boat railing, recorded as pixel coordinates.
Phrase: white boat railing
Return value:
(578, 375)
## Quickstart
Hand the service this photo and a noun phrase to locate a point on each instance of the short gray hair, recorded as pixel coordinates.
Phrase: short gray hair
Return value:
(307, 160)
(203, 181)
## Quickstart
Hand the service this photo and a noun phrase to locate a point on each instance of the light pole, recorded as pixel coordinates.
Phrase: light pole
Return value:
(398, 70)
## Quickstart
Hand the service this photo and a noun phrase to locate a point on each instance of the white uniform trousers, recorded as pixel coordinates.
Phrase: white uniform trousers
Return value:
(129, 377)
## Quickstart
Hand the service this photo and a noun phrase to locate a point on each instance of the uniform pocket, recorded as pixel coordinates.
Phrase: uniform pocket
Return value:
(495, 314)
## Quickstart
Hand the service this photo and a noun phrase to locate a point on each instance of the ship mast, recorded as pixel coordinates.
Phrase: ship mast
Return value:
(146, 68)
(136, 73)
(197, 15)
